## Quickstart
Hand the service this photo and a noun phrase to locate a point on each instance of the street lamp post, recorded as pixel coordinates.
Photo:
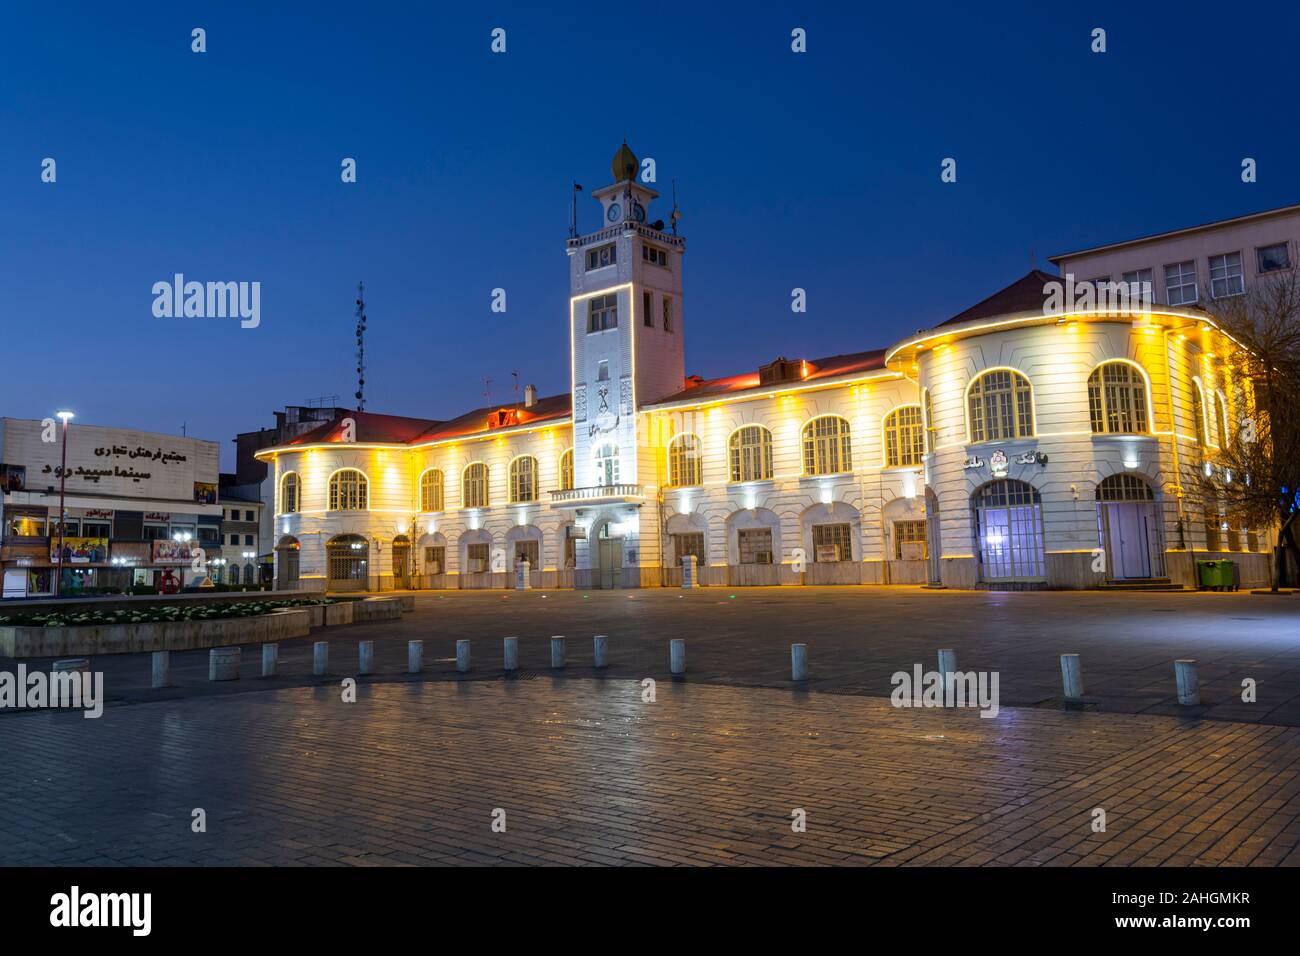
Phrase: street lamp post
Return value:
(63, 476)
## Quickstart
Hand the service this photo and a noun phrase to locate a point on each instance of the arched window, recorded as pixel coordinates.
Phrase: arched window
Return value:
(474, 486)
(904, 437)
(523, 479)
(826, 446)
(751, 453)
(250, 573)
(566, 470)
(348, 490)
(1000, 406)
(685, 462)
(431, 490)
(1117, 399)
(607, 465)
(1221, 418)
(232, 574)
(1198, 413)
(929, 419)
(289, 493)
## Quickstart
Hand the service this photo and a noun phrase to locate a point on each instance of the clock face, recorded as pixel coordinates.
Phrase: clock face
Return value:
(615, 212)
(638, 212)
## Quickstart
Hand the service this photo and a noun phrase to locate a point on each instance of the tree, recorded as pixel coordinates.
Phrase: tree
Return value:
(1255, 478)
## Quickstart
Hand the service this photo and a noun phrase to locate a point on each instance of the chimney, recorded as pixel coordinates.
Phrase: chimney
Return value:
(530, 396)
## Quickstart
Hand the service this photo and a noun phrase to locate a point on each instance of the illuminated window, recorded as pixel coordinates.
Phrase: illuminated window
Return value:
(929, 420)
(289, 486)
(348, 490)
(566, 470)
(751, 454)
(1198, 413)
(1117, 399)
(523, 479)
(1221, 418)
(602, 312)
(474, 486)
(607, 465)
(431, 490)
(755, 545)
(832, 542)
(904, 436)
(1000, 406)
(685, 462)
(826, 446)
(910, 540)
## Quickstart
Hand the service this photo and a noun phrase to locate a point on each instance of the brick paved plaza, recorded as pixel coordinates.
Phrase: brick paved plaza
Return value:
(710, 772)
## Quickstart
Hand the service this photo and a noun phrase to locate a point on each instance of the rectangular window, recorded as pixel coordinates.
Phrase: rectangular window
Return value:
(1274, 257)
(155, 532)
(668, 314)
(909, 540)
(435, 559)
(248, 539)
(248, 516)
(94, 529)
(602, 256)
(1139, 283)
(527, 551)
(24, 524)
(832, 542)
(476, 558)
(691, 542)
(648, 309)
(602, 312)
(755, 545)
(1225, 275)
(1180, 283)
(654, 256)
(234, 539)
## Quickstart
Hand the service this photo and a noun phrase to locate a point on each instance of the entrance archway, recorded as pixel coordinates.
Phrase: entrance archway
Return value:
(1129, 525)
(347, 559)
(287, 550)
(1008, 518)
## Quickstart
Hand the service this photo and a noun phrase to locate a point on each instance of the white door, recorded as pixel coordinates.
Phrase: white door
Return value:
(1128, 539)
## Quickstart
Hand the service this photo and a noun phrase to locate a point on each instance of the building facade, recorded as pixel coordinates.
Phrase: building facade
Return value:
(136, 504)
(1027, 442)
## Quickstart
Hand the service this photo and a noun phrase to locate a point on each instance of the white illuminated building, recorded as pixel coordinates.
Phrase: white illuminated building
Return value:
(1006, 447)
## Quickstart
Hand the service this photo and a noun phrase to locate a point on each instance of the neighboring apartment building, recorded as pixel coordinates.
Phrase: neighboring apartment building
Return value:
(1189, 266)
(1009, 446)
(244, 548)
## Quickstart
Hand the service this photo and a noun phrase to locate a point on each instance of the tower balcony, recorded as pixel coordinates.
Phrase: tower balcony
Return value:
(596, 494)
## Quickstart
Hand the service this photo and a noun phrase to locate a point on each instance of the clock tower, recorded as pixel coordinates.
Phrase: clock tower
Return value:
(626, 329)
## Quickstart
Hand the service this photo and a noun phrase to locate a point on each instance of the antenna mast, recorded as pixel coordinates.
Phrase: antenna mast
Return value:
(361, 347)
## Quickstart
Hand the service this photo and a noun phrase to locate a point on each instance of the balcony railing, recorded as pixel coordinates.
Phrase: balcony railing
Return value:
(596, 493)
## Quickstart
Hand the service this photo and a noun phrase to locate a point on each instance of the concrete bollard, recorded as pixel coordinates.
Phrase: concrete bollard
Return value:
(510, 654)
(1071, 676)
(462, 656)
(365, 657)
(270, 659)
(600, 647)
(162, 669)
(798, 661)
(688, 571)
(557, 652)
(1189, 690)
(522, 580)
(947, 663)
(320, 658)
(223, 663)
(414, 657)
(677, 656)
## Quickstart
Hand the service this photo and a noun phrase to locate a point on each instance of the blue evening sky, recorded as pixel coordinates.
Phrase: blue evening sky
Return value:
(818, 170)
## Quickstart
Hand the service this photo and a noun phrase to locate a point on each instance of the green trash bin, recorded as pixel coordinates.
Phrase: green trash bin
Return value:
(1217, 575)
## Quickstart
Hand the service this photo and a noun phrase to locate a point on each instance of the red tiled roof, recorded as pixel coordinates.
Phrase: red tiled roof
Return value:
(818, 369)
(551, 408)
(371, 427)
(1026, 294)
